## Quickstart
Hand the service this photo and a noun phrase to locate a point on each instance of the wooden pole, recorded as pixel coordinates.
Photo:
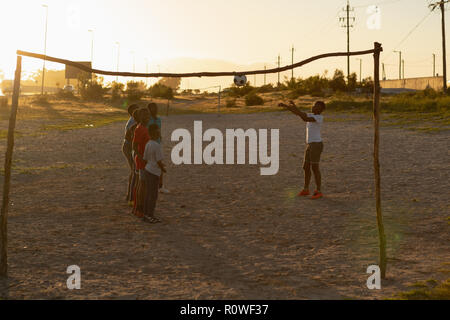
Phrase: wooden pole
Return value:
(7, 178)
(195, 74)
(376, 157)
(444, 51)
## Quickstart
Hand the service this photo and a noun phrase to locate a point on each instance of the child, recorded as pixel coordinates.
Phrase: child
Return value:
(141, 137)
(127, 148)
(314, 121)
(154, 119)
(153, 170)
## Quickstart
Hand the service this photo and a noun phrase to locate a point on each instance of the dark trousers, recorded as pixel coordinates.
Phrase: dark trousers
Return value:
(152, 183)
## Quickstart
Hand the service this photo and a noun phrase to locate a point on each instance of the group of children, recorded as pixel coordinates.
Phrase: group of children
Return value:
(143, 151)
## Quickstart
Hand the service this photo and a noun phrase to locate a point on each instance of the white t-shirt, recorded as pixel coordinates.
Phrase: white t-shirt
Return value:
(152, 155)
(313, 128)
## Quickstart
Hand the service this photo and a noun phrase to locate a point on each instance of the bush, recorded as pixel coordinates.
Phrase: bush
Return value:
(235, 91)
(419, 101)
(41, 100)
(337, 83)
(135, 91)
(253, 99)
(161, 91)
(230, 103)
(367, 85)
(92, 91)
(117, 90)
(266, 88)
(65, 95)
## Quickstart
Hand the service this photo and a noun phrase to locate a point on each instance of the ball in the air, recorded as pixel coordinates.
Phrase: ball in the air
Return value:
(240, 80)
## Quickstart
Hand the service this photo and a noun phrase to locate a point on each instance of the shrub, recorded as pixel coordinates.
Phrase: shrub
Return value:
(92, 91)
(65, 95)
(117, 90)
(337, 83)
(135, 91)
(265, 88)
(235, 91)
(161, 91)
(405, 102)
(230, 103)
(41, 100)
(253, 99)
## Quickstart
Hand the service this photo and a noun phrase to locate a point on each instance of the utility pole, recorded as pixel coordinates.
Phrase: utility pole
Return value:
(399, 64)
(45, 47)
(347, 23)
(434, 65)
(92, 52)
(265, 68)
(118, 59)
(360, 69)
(433, 6)
(146, 71)
(279, 63)
(134, 62)
(403, 67)
(292, 74)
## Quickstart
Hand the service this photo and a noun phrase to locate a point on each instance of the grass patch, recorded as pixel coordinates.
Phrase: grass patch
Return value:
(427, 290)
(4, 134)
(88, 123)
(413, 111)
(35, 170)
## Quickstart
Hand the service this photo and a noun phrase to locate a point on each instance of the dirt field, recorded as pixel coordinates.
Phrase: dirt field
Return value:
(227, 232)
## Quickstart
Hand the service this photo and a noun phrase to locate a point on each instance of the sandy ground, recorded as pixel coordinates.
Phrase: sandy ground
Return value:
(227, 232)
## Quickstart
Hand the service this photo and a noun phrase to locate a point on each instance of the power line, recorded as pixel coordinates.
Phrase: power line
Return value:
(378, 3)
(408, 35)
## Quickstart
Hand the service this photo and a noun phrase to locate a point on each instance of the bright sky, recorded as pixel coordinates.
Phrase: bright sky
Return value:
(247, 33)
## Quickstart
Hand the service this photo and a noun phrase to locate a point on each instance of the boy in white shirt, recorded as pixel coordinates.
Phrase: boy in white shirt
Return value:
(314, 149)
(154, 167)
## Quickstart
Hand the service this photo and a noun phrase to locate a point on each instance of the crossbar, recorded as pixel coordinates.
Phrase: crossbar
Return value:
(195, 74)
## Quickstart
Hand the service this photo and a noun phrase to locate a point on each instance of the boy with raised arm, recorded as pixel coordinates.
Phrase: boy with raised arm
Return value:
(314, 148)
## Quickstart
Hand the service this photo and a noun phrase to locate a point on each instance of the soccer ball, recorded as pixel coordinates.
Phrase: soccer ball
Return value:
(240, 80)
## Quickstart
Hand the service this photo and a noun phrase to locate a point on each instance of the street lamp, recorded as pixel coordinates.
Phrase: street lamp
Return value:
(360, 69)
(45, 47)
(399, 64)
(118, 59)
(92, 51)
(134, 62)
(146, 71)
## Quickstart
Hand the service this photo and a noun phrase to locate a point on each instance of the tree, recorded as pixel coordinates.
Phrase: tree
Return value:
(52, 77)
(91, 89)
(116, 90)
(161, 91)
(367, 85)
(173, 83)
(337, 83)
(135, 90)
(352, 82)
